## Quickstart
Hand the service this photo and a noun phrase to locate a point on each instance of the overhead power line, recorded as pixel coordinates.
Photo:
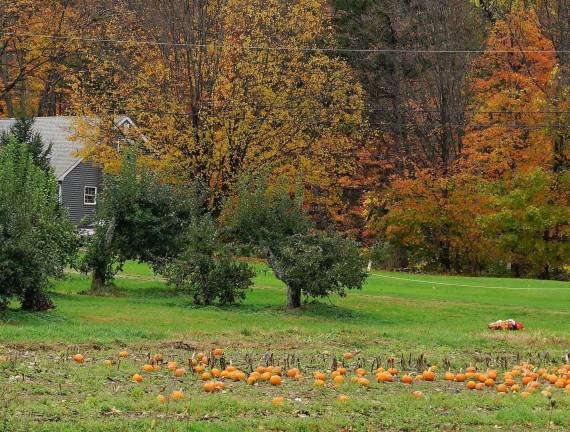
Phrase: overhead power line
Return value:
(283, 48)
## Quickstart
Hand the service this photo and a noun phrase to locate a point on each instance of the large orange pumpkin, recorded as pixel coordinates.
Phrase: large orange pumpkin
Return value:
(275, 380)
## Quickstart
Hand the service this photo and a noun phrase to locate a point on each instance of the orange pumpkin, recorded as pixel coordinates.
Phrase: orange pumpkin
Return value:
(471, 385)
(428, 375)
(148, 368)
(209, 387)
(217, 352)
(206, 376)
(161, 399)
(180, 372)
(123, 354)
(343, 398)
(449, 376)
(137, 378)
(79, 358)
(360, 372)
(320, 376)
(347, 356)
(339, 379)
(176, 395)
(277, 400)
(459, 377)
(275, 380)
(292, 373)
(502, 388)
(406, 379)
(319, 383)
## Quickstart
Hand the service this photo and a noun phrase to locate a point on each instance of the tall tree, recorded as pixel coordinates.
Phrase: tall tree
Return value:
(219, 99)
(37, 240)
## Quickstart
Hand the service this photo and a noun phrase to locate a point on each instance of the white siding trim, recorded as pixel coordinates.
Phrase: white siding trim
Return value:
(68, 170)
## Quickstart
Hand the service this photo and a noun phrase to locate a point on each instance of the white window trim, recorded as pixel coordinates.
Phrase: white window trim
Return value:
(85, 195)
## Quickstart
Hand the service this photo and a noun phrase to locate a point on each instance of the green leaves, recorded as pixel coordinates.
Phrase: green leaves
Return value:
(138, 218)
(37, 240)
(273, 219)
(206, 269)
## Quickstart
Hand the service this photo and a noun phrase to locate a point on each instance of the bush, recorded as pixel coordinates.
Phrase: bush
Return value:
(37, 240)
(206, 269)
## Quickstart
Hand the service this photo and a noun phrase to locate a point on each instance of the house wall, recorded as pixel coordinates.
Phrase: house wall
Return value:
(73, 186)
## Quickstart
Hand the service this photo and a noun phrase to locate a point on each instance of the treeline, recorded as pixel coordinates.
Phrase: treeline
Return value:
(436, 132)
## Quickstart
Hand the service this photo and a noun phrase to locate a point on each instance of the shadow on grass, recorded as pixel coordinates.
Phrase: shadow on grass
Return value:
(313, 309)
(12, 316)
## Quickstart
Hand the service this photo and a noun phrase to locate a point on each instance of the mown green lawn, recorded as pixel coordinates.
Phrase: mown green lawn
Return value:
(443, 318)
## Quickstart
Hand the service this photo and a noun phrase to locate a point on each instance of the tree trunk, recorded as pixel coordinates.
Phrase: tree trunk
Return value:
(293, 297)
(36, 300)
(516, 269)
(99, 280)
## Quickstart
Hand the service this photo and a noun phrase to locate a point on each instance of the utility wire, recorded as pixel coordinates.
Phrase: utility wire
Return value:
(282, 48)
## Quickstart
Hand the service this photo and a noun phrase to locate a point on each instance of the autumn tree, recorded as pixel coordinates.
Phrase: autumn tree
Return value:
(40, 50)
(554, 20)
(418, 84)
(214, 97)
(514, 146)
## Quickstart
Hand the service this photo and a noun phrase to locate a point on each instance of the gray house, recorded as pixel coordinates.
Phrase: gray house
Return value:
(79, 180)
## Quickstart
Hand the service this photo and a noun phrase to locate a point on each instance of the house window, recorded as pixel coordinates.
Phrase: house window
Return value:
(90, 195)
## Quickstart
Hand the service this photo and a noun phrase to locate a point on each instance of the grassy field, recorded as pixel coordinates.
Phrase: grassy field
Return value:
(419, 321)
